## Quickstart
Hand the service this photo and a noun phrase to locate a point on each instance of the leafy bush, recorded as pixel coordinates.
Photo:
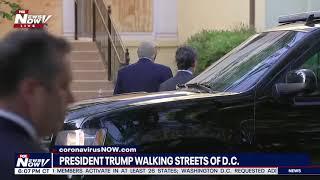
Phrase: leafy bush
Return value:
(13, 8)
(211, 45)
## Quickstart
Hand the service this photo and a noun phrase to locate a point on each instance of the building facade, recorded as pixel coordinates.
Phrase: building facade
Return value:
(169, 23)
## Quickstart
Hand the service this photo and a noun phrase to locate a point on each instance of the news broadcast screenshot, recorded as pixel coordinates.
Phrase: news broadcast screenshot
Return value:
(159, 89)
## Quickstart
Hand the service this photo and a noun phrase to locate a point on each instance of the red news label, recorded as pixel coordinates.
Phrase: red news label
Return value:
(23, 156)
(28, 25)
(20, 11)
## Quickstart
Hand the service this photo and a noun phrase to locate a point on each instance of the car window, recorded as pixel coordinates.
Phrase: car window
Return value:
(119, 127)
(310, 61)
(243, 68)
(91, 124)
(126, 126)
(113, 132)
(313, 64)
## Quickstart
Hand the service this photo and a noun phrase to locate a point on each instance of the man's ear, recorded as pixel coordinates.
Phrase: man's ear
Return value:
(154, 57)
(28, 89)
(193, 64)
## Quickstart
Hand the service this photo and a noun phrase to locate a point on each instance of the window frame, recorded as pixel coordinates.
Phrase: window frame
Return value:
(309, 45)
(313, 98)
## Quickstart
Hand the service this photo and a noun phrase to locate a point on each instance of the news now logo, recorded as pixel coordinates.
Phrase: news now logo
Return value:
(27, 161)
(25, 20)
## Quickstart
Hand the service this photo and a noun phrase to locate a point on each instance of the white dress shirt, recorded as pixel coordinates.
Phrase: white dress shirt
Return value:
(188, 71)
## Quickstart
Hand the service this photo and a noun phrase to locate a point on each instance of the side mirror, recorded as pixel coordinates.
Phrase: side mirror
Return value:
(299, 81)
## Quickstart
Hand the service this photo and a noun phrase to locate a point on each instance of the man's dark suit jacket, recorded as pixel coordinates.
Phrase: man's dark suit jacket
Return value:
(144, 75)
(180, 78)
(15, 139)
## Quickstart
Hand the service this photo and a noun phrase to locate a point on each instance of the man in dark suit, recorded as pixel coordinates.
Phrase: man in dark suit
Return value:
(34, 93)
(145, 75)
(186, 61)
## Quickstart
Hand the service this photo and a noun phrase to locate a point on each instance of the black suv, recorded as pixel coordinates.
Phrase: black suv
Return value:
(262, 96)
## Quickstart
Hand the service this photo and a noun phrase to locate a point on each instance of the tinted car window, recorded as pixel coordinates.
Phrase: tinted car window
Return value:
(92, 124)
(242, 68)
(313, 64)
(126, 126)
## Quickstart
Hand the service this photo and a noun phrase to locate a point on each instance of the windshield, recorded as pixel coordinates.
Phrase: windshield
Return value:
(240, 69)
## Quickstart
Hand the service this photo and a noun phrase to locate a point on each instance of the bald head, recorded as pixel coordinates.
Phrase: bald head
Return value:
(147, 50)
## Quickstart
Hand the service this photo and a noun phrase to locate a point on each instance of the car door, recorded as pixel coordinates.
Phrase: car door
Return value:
(291, 124)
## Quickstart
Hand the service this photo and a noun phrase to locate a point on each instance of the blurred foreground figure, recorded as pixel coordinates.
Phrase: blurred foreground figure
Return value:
(145, 75)
(34, 93)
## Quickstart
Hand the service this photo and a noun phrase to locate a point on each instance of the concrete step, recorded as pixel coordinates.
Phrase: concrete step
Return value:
(83, 46)
(89, 72)
(87, 65)
(83, 95)
(91, 85)
(89, 75)
(85, 56)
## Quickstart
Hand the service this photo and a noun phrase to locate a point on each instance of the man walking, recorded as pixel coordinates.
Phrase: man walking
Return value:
(34, 93)
(145, 75)
(186, 61)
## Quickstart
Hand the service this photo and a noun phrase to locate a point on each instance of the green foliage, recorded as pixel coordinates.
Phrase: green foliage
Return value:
(211, 45)
(13, 8)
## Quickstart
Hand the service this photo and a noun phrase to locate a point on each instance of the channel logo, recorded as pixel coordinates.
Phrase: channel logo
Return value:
(33, 160)
(25, 20)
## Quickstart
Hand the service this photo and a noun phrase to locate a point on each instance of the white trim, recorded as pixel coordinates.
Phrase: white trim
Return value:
(155, 17)
(137, 36)
(68, 18)
(167, 36)
(68, 35)
(136, 33)
(161, 28)
(187, 71)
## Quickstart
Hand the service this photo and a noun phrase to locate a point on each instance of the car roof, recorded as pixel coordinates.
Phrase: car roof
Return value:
(304, 21)
(298, 26)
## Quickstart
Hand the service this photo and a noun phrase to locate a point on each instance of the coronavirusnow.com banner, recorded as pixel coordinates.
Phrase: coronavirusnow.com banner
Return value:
(113, 160)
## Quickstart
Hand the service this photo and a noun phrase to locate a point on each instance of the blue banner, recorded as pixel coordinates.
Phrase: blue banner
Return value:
(127, 157)
(181, 160)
